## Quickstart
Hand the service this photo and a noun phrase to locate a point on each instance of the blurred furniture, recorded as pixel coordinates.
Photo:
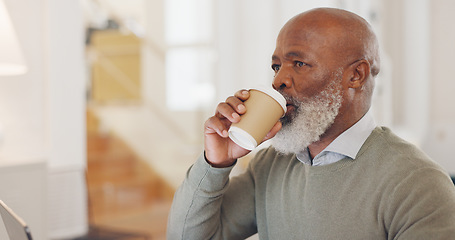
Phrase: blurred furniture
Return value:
(115, 64)
(23, 187)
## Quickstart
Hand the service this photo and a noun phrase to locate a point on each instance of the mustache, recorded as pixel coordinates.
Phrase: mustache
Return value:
(290, 99)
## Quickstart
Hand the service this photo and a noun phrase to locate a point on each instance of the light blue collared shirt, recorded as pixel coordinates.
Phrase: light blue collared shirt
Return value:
(347, 144)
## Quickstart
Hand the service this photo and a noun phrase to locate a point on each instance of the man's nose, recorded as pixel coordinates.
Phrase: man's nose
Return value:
(282, 79)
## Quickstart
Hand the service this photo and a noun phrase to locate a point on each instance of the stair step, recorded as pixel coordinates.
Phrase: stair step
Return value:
(120, 183)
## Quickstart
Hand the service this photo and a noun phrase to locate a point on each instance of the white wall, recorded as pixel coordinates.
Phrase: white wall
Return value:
(246, 33)
(22, 113)
(43, 115)
(22, 98)
(418, 38)
(440, 137)
(65, 83)
(65, 118)
(406, 43)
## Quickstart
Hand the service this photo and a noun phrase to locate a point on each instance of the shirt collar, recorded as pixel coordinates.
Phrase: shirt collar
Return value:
(350, 141)
(347, 143)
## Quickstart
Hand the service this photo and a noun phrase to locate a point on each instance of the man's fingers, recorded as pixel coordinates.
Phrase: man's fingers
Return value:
(224, 110)
(242, 94)
(233, 107)
(236, 104)
(216, 125)
(226, 113)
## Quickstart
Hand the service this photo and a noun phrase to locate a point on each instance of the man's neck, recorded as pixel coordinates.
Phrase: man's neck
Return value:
(317, 147)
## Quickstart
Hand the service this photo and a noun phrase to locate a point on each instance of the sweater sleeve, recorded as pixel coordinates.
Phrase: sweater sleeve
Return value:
(422, 206)
(208, 206)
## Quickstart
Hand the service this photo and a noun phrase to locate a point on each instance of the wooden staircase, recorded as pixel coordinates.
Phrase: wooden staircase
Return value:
(124, 192)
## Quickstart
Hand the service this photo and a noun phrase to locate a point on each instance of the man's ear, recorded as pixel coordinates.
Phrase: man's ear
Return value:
(361, 72)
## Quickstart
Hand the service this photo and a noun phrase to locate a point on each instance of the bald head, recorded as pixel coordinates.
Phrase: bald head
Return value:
(345, 33)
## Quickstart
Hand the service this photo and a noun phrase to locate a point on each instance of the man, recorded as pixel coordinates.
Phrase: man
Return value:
(331, 173)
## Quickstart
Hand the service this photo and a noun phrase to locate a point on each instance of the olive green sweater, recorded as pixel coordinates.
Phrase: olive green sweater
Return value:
(391, 190)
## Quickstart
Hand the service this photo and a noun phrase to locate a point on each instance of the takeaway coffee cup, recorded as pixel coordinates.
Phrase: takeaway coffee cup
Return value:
(264, 108)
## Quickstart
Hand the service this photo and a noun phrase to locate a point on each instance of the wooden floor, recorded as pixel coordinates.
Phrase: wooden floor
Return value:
(125, 194)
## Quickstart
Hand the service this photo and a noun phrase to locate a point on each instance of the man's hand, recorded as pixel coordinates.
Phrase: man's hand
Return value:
(220, 150)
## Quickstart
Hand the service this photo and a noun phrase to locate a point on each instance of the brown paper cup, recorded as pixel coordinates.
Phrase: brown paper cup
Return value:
(264, 108)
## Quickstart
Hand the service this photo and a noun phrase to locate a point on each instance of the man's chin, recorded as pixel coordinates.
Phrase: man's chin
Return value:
(288, 117)
(284, 147)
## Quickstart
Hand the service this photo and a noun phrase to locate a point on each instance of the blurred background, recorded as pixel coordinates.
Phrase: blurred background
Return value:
(105, 114)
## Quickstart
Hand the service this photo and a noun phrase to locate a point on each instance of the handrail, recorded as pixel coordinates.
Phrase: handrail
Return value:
(128, 84)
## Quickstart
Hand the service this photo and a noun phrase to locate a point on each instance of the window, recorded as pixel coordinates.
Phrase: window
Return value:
(189, 59)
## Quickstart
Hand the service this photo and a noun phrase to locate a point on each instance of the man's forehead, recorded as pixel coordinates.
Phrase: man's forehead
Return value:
(300, 41)
(310, 29)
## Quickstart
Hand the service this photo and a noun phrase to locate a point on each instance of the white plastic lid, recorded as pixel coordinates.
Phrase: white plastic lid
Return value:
(274, 94)
(242, 138)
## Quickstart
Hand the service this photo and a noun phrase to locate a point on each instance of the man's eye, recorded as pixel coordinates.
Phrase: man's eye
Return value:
(276, 67)
(299, 64)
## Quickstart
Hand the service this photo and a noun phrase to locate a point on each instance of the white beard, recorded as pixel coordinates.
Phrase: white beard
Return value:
(312, 119)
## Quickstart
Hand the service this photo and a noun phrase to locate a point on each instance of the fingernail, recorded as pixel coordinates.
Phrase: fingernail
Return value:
(244, 92)
(235, 116)
(241, 107)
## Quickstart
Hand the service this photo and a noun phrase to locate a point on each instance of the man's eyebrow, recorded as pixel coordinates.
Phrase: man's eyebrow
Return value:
(294, 54)
(289, 55)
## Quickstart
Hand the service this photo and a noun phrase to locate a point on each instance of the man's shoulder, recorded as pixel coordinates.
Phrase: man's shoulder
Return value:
(392, 150)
